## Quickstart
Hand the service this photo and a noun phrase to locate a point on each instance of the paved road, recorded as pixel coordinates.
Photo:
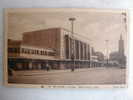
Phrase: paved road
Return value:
(66, 77)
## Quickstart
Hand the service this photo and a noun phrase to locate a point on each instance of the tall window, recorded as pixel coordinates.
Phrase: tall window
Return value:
(77, 49)
(67, 46)
(81, 50)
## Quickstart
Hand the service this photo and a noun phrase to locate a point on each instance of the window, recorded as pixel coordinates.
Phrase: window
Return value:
(45, 53)
(41, 52)
(32, 51)
(28, 51)
(67, 46)
(14, 50)
(22, 50)
(10, 50)
(37, 51)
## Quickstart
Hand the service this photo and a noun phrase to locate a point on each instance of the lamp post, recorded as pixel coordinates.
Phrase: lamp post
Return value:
(107, 53)
(72, 54)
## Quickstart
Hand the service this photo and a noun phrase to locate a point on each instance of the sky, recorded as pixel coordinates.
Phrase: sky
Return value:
(97, 27)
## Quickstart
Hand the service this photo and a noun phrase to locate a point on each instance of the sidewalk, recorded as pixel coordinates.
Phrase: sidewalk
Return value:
(44, 72)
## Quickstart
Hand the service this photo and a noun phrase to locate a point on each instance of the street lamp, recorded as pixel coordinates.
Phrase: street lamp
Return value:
(72, 55)
(107, 53)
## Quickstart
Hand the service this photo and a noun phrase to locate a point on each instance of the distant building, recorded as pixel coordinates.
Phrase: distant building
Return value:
(100, 56)
(52, 47)
(97, 58)
(114, 56)
(122, 59)
(119, 55)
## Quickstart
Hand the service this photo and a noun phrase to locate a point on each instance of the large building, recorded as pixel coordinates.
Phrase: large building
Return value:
(52, 47)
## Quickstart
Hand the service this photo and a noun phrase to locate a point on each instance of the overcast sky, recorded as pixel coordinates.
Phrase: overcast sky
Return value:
(96, 26)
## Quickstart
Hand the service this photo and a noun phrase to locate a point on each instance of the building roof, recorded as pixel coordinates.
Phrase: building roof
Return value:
(76, 35)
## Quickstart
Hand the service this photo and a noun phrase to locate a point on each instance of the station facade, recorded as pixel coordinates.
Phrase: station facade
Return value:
(49, 47)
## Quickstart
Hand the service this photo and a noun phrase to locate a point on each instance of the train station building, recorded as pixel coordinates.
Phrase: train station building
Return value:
(52, 47)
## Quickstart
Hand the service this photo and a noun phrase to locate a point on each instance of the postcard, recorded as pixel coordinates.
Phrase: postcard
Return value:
(66, 47)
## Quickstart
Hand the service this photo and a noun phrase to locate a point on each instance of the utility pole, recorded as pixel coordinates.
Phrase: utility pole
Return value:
(72, 54)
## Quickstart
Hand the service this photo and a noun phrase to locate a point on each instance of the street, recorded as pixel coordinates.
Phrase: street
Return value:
(87, 76)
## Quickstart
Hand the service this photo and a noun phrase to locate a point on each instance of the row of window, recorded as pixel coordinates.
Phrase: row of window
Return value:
(79, 47)
(30, 51)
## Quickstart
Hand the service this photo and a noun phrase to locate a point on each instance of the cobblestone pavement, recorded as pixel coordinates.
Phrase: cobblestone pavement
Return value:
(66, 77)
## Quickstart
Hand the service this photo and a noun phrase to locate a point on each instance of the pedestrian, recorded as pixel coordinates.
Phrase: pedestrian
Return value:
(72, 69)
(73, 64)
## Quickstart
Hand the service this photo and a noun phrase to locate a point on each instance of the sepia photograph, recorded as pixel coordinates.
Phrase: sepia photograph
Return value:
(66, 46)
